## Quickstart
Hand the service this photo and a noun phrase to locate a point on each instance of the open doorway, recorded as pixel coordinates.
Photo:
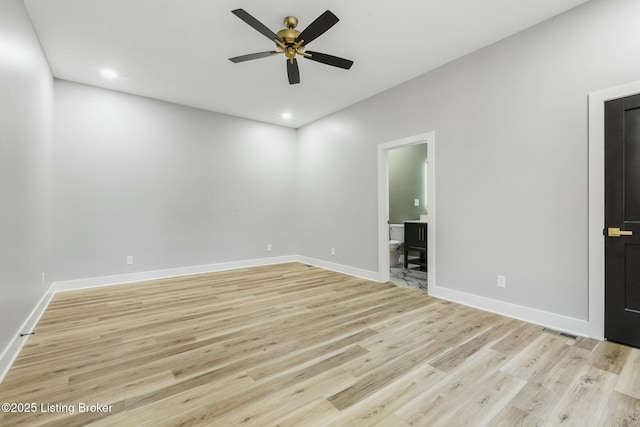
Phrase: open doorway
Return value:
(408, 215)
(407, 262)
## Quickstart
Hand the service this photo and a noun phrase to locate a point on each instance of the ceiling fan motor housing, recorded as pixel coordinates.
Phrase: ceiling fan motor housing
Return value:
(289, 34)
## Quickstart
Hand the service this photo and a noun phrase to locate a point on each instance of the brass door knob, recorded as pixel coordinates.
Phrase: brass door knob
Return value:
(616, 232)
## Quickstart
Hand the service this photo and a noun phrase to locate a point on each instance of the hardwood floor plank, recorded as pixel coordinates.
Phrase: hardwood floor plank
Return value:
(629, 380)
(484, 402)
(382, 404)
(445, 397)
(583, 404)
(185, 403)
(392, 421)
(300, 358)
(310, 414)
(276, 405)
(610, 357)
(452, 359)
(547, 386)
(381, 377)
(275, 385)
(536, 358)
(511, 416)
(621, 410)
(517, 340)
(586, 343)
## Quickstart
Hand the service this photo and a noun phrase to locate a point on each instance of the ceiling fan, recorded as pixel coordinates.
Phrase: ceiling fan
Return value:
(292, 42)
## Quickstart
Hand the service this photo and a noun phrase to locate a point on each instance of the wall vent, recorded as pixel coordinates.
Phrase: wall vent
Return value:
(560, 333)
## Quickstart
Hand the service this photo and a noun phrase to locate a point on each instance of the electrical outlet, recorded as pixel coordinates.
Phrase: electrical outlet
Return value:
(129, 260)
(268, 248)
(416, 202)
(333, 251)
(502, 282)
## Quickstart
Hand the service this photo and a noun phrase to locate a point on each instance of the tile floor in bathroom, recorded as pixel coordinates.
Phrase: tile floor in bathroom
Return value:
(409, 277)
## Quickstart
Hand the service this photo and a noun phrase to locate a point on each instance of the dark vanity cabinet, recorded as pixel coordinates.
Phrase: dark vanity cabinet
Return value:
(415, 244)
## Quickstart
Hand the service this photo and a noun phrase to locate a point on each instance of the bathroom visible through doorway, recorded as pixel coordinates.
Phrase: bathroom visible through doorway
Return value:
(407, 201)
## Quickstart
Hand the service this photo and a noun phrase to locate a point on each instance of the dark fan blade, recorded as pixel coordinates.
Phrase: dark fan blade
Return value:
(251, 56)
(257, 25)
(293, 71)
(318, 27)
(330, 60)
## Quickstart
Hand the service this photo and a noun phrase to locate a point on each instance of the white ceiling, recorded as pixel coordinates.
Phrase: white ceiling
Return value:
(178, 50)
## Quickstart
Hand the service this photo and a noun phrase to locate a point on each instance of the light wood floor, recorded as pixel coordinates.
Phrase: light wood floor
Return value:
(293, 345)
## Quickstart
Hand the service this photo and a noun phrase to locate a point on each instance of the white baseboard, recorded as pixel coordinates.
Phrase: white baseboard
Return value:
(531, 315)
(339, 268)
(11, 352)
(95, 282)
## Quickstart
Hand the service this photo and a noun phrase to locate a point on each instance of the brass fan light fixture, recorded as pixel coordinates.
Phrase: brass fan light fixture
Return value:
(292, 42)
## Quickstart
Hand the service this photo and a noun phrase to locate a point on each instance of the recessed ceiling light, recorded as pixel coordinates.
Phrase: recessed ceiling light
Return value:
(287, 115)
(109, 74)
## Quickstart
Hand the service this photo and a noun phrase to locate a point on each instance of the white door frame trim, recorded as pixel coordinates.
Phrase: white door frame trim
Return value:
(596, 202)
(383, 203)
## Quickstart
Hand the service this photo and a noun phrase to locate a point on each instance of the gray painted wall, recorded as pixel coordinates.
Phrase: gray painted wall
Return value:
(407, 182)
(510, 124)
(26, 89)
(171, 186)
